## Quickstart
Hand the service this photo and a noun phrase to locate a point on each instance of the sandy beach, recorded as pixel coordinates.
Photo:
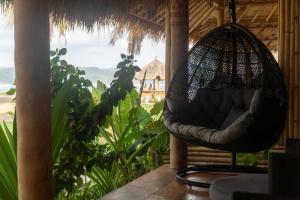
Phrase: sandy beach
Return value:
(6, 106)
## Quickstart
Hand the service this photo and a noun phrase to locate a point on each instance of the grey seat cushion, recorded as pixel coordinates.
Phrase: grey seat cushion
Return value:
(223, 188)
(215, 116)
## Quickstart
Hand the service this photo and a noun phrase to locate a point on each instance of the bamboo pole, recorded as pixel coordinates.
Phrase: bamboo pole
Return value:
(297, 57)
(291, 68)
(179, 48)
(281, 36)
(31, 20)
(296, 67)
(287, 18)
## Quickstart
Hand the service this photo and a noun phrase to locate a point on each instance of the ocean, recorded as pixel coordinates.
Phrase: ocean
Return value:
(4, 87)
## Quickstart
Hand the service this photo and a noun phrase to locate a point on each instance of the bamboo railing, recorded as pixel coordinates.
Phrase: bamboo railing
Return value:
(198, 156)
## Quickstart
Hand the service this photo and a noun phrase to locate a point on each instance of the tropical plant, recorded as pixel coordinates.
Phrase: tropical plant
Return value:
(134, 136)
(131, 142)
(8, 164)
(79, 153)
(91, 127)
(8, 144)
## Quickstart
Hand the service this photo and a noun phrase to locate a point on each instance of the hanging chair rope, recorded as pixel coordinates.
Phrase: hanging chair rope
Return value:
(232, 14)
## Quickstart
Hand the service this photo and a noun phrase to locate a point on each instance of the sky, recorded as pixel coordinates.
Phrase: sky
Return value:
(84, 49)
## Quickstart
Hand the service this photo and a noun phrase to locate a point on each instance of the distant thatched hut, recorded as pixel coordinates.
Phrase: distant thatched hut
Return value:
(154, 73)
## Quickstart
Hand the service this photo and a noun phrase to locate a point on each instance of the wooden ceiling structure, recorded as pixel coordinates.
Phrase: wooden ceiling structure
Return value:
(260, 17)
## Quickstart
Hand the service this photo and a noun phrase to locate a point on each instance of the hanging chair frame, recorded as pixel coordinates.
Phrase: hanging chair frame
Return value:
(181, 175)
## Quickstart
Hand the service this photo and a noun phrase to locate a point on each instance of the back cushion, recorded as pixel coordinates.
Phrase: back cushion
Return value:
(211, 107)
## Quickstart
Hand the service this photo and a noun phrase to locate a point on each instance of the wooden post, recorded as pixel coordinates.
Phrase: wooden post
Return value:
(179, 17)
(168, 47)
(31, 21)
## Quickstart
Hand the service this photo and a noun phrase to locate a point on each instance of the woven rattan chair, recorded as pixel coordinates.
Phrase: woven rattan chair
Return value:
(228, 95)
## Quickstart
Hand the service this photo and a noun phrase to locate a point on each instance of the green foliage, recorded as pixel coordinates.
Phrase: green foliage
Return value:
(102, 137)
(8, 165)
(8, 143)
(79, 153)
(252, 159)
(131, 142)
(106, 180)
(134, 136)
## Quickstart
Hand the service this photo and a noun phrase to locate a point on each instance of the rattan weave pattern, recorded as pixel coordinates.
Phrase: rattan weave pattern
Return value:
(227, 57)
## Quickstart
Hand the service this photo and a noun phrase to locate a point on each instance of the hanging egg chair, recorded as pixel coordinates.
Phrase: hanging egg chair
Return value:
(229, 94)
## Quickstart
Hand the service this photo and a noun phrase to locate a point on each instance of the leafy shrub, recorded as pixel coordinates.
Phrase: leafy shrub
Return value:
(79, 154)
(252, 159)
(102, 137)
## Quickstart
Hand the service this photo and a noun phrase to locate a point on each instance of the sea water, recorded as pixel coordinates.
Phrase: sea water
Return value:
(4, 87)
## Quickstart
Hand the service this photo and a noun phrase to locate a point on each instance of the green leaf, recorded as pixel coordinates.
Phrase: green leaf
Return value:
(62, 52)
(11, 91)
(8, 165)
(65, 63)
(123, 56)
(157, 108)
(266, 155)
(55, 60)
(130, 57)
(59, 118)
(141, 150)
(52, 53)
(136, 68)
(160, 141)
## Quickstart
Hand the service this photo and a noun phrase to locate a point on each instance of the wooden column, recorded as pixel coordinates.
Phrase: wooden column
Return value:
(289, 60)
(31, 22)
(180, 39)
(168, 47)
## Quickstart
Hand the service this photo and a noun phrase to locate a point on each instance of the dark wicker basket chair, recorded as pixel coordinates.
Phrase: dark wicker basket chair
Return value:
(229, 95)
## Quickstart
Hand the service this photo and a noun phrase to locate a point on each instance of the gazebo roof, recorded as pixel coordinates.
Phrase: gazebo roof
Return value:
(146, 18)
(154, 70)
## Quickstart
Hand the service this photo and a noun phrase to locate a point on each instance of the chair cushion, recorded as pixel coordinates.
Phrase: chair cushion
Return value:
(223, 188)
(232, 116)
(215, 116)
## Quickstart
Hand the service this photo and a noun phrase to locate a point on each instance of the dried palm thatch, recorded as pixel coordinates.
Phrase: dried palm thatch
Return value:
(93, 15)
(154, 70)
(146, 18)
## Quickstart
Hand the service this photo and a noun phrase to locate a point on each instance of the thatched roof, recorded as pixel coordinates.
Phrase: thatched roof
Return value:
(94, 15)
(154, 70)
(146, 18)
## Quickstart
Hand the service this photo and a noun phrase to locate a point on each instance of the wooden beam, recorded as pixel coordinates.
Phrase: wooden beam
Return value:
(271, 13)
(201, 20)
(250, 3)
(31, 22)
(220, 15)
(256, 15)
(193, 18)
(242, 13)
(179, 20)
